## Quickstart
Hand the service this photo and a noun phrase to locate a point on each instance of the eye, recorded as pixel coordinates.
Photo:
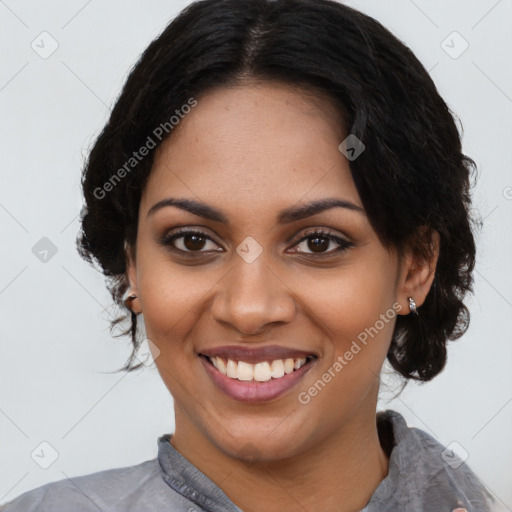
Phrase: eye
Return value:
(319, 240)
(195, 241)
(189, 240)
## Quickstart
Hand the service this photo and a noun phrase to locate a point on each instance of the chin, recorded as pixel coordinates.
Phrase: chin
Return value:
(263, 445)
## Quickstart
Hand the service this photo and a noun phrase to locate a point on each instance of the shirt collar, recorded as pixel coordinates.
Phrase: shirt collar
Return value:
(399, 458)
(182, 476)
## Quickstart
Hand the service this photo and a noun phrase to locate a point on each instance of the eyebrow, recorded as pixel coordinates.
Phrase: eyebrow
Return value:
(285, 216)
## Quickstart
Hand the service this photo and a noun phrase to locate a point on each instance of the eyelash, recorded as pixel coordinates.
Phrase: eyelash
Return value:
(168, 240)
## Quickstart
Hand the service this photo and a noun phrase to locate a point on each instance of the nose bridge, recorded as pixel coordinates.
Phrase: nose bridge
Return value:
(253, 274)
(251, 294)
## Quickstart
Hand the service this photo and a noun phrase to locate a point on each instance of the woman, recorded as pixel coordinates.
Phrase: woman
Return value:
(280, 192)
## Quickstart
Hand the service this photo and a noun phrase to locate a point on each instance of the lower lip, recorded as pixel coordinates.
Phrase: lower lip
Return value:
(254, 391)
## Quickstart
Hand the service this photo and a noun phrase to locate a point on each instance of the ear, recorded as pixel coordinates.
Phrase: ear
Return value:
(418, 270)
(131, 275)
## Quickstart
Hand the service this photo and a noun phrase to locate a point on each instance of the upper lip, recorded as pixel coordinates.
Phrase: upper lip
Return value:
(255, 355)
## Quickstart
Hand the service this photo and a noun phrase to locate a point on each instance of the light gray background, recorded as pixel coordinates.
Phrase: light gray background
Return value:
(54, 315)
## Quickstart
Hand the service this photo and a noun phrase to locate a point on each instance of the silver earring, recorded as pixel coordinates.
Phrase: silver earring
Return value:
(412, 306)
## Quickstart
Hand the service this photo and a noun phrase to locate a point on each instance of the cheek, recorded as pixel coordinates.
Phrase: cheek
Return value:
(355, 310)
(169, 303)
(350, 301)
(171, 294)
(170, 299)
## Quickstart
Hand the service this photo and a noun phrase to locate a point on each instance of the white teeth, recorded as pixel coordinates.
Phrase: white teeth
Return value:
(245, 371)
(260, 372)
(288, 366)
(221, 365)
(299, 362)
(277, 368)
(232, 369)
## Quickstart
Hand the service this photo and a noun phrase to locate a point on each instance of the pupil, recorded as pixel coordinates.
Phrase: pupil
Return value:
(197, 242)
(315, 244)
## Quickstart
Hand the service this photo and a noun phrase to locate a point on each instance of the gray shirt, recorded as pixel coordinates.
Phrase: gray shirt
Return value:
(423, 477)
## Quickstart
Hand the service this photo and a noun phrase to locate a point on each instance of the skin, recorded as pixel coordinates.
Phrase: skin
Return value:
(251, 151)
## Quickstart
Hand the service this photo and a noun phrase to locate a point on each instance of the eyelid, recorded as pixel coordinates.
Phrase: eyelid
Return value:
(327, 232)
(170, 236)
(341, 240)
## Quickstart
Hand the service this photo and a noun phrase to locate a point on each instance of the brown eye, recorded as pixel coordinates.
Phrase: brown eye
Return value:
(317, 243)
(189, 241)
(193, 242)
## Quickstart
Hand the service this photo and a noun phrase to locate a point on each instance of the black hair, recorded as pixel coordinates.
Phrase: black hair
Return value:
(412, 177)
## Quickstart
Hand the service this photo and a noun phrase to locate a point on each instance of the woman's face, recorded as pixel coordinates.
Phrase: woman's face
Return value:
(252, 287)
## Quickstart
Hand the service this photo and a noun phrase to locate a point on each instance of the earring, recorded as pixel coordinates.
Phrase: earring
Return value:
(412, 306)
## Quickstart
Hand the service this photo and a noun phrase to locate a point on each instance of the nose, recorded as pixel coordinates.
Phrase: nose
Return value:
(252, 295)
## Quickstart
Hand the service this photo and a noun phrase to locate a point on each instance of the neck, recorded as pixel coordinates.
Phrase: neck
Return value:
(339, 474)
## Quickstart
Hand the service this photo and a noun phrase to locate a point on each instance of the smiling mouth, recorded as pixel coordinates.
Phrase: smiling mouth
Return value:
(263, 371)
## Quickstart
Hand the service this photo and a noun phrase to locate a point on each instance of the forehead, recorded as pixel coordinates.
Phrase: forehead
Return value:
(261, 145)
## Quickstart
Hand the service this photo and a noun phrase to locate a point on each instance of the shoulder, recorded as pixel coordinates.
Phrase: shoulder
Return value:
(427, 475)
(92, 492)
